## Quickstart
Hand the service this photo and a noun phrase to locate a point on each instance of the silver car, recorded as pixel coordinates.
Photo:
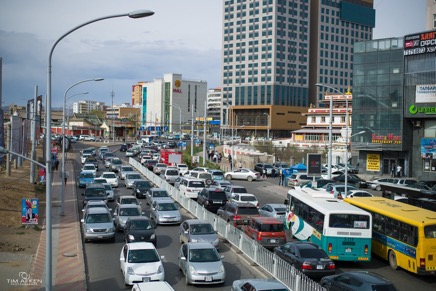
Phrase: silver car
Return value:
(196, 230)
(159, 167)
(201, 264)
(124, 212)
(130, 178)
(276, 210)
(165, 212)
(170, 175)
(154, 194)
(126, 170)
(97, 224)
(109, 192)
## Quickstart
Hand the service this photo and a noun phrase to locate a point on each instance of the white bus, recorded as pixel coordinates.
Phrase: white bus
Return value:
(342, 230)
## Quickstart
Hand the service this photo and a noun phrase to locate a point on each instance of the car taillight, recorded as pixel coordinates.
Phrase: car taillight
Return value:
(331, 266)
(259, 236)
(422, 263)
(236, 217)
(330, 247)
(306, 266)
(366, 249)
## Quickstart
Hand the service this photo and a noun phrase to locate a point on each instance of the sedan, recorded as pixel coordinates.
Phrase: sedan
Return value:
(242, 174)
(165, 212)
(157, 169)
(222, 183)
(126, 170)
(109, 192)
(357, 280)
(130, 178)
(196, 230)
(140, 188)
(375, 183)
(358, 193)
(201, 264)
(308, 258)
(258, 284)
(352, 180)
(154, 194)
(276, 210)
(111, 178)
(139, 229)
(140, 262)
(124, 212)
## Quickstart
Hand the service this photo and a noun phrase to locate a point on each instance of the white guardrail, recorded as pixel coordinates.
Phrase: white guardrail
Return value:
(267, 260)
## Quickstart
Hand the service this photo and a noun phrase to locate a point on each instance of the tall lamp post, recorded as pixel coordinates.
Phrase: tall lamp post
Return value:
(63, 136)
(48, 162)
(255, 126)
(269, 124)
(180, 117)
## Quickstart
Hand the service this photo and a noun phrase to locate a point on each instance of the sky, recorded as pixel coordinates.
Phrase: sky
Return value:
(181, 37)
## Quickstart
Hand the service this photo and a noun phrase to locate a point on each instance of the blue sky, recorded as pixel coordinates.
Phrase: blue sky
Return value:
(182, 37)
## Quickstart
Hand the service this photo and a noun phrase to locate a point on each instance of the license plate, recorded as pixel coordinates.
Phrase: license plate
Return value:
(348, 250)
(100, 236)
(208, 279)
(217, 202)
(319, 267)
(272, 241)
(145, 279)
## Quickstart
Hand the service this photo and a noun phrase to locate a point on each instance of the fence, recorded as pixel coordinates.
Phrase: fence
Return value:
(267, 260)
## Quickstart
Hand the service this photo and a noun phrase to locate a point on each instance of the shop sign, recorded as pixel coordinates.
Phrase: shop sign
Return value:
(373, 162)
(386, 139)
(428, 147)
(428, 110)
(425, 93)
(420, 43)
(177, 84)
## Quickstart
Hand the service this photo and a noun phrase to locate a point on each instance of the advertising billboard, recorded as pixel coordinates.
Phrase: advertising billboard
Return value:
(373, 162)
(420, 43)
(314, 167)
(29, 210)
(426, 93)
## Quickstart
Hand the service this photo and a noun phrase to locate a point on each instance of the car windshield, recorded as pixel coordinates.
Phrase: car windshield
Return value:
(239, 190)
(313, 253)
(143, 256)
(129, 212)
(248, 211)
(248, 198)
(218, 174)
(108, 187)
(87, 152)
(127, 169)
(272, 227)
(100, 181)
(89, 167)
(116, 162)
(162, 193)
(182, 166)
(198, 229)
(87, 175)
(143, 185)
(167, 207)
(172, 172)
(217, 195)
(98, 218)
(95, 192)
(134, 176)
(349, 221)
(140, 225)
(129, 201)
(203, 255)
(110, 176)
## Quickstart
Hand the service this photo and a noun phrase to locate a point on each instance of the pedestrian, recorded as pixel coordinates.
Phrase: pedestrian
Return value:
(339, 196)
(282, 177)
(399, 171)
(240, 164)
(220, 156)
(263, 172)
(393, 170)
(229, 157)
(273, 173)
(66, 176)
(56, 164)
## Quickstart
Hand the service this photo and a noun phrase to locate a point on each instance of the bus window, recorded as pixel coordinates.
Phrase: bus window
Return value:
(349, 221)
(430, 231)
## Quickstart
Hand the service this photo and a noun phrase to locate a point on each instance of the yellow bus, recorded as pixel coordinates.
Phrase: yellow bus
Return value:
(403, 234)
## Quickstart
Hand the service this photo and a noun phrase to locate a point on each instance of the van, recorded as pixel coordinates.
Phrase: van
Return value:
(190, 187)
(203, 175)
(170, 175)
(267, 231)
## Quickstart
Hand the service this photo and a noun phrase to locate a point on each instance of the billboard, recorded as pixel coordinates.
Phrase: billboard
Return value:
(426, 93)
(373, 162)
(420, 43)
(29, 210)
(314, 164)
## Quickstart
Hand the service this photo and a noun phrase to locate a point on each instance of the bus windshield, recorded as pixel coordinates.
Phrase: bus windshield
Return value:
(349, 221)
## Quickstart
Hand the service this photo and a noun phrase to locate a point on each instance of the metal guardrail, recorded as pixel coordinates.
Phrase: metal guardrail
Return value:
(267, 260)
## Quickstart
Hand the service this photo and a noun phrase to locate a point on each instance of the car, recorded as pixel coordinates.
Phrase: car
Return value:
(165, 212)
(140, 262)
(82, 137)
(159, 167)
(234, 189)
(149, 164)
(94, 192)
(212, 198)
(200, 169)
(182, 168)
(107, 155)
(177, 182)
(374, 184)
(198, 230)
(335, 173)
(111, 178)
(140, 188)
(276, 210)
(237, 213)
(115, 165)
(127, 199)
(334, 189)
(170, 175)
(140, 229)
(100, 181)
(357, 281)
(244, 198)
(97, 224)
(260, 166)
(155, 285)
(101, 151)
(130, 178)
(145, 158)
(358, 193)
(221, 183)
(90, 167)
(217, 175)
(266, 231)
(83, 157)
(123, 147)
(95, 203)
(258, 285)
(242, 174)
(85, 178)
(317, 184)
(296, 179)
(202, 175)
(126, 170)
(307, 257)
(189, 187)
(108, 161)
(352, 179)
(123, 212)
(154, 194)
(201, 264)
(89, 138)
(130, 152)
(109, 192)
(280, 165)
(92, 160)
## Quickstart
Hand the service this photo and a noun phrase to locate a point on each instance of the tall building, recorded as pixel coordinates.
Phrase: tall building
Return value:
(275, 51)
(214, 104)
(430, 11)
(85, 106)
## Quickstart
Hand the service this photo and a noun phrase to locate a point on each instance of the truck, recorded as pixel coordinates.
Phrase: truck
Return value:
(170, 157)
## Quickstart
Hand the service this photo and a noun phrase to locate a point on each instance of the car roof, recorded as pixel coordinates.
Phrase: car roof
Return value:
(263, 284)
(235, 186)
(87, 171)
(97, 202)
(157, 189)
(197, 221)
(368, 276)
(265, 219)
(141, 246)
(200, 245)
(273, 205)
(128, 206)
(97, 210)
(245, 194)
(304, 245)
(95, 185)
(153, 285)
(138, 217)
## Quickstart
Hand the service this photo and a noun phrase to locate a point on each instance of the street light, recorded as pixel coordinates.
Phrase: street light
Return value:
(48, 258)
(268, 125)
(255, 126)
(180, 117)
(63, 136)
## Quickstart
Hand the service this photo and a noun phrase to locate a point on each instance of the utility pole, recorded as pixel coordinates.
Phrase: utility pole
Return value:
(192, 130)
(113, 126)
(204, 133)
(33, 137)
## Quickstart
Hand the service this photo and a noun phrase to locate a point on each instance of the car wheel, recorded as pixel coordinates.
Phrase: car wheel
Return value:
(186, 280)
(378, 188)
(249, 178)
(229, 177)
(393, 260)
(357, 185)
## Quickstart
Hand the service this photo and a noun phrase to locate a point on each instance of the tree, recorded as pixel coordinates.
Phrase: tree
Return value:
(99, 113)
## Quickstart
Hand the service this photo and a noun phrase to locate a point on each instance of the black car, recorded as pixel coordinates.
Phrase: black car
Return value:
(123, 147)
(212, 198)
(140, 229)
(357, 280)
(307, 257)
(351, 180)
(140, 187)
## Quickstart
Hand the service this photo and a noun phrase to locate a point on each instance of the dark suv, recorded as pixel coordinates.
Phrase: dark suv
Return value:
(123, 147)
(94, 192)
(212, 198)
(238, 213)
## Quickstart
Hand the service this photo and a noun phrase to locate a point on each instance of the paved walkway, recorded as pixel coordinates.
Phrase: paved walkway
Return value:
(68, 267)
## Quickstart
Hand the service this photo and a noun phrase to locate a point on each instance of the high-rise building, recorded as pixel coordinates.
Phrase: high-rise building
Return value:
(275, 51)
(430, 11)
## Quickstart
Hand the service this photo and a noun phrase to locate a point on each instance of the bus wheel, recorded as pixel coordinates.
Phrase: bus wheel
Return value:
(393, 260)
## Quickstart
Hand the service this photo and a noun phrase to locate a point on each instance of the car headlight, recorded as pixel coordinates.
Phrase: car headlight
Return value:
(160, 269)
(153, 236)
(194, 240)
(137, 191)
(111, 229)
(216, 241)
(192, 270)
(89, 231)
(222, 269)
(131, 237)
(130, 271)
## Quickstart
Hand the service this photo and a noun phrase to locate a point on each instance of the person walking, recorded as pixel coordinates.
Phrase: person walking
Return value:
(393, 170)
(263, 172)
(399, 171)
(282, 177)
(273, 173)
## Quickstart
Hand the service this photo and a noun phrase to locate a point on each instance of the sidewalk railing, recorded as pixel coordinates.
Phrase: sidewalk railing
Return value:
(267, 260)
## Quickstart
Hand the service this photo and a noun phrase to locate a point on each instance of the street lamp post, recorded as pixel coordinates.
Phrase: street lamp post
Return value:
(48, 162)
(255, 126)
(63, 136)
(268, 125)
(180, 117)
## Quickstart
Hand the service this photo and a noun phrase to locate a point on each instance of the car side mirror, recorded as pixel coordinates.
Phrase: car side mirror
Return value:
(83, 194)
(183, 258)
(121, 259)
(82, 220)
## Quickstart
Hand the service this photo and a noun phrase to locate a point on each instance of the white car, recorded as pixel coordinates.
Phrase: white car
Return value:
(245, 197)
(84, 157)
(242, 174)
(358, 193)
(90, 168)
(111, 178)
(140, 262)
(183, 168)
(109, 192)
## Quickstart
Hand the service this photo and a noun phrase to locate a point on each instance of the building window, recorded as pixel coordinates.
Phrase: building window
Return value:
(434, 20)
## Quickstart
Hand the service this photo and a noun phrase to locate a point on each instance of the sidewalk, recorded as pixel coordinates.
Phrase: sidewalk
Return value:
(68, 267)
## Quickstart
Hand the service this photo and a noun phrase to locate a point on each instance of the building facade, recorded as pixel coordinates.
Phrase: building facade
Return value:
(86, 106)
(430, 11)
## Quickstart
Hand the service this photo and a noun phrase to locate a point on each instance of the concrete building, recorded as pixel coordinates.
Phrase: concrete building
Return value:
(86, 106)
(430, 11)
(274, 52)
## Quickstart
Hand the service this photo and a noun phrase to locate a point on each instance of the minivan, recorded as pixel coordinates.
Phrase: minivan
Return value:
(267, 231)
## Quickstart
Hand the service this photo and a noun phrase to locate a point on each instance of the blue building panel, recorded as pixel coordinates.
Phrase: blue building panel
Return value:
(357, 14)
